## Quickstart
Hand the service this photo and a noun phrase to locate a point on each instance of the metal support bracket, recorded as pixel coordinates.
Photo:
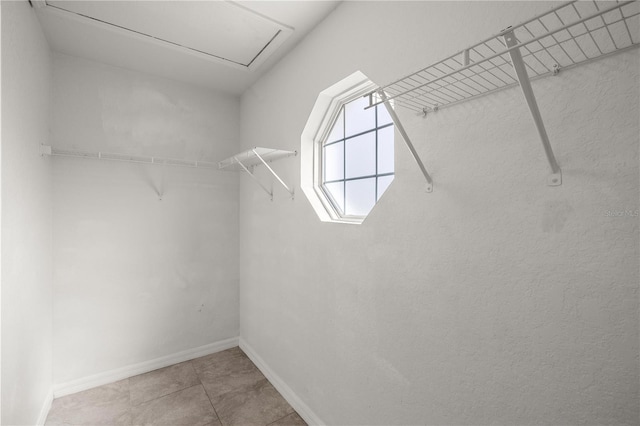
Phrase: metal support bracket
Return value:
(555, 179)
(289, 190)
(250, 173)
(247, 160)
(407, 140)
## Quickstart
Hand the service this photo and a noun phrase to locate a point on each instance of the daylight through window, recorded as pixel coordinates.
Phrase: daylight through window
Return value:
(358, 158)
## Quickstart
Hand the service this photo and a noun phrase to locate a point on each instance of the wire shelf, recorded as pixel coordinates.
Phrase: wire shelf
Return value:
(568, 35)
(253, 157)
(247, 160)
(132, 158)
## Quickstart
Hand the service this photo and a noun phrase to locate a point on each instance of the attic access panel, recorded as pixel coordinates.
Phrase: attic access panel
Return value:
(221, 30)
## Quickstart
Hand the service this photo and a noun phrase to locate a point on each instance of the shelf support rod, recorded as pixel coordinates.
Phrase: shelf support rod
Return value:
(555, 179)
(406, 138)
(254, 178)
(273, 173)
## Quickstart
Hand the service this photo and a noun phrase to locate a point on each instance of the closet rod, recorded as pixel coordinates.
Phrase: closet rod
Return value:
(139, 159)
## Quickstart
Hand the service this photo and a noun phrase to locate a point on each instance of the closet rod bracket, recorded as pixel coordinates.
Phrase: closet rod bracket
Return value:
(519, 67)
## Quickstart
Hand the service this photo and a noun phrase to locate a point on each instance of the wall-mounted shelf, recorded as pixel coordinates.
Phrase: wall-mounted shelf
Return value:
(48, 150)
(571, 34)
(247, 160)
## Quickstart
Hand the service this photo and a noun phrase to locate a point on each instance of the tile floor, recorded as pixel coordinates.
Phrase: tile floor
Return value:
(220, 389)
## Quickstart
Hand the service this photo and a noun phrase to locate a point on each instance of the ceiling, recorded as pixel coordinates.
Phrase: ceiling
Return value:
(222, 45)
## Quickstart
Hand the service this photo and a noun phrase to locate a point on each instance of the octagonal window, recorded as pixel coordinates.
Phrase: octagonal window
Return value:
(357, 158)
(347, 152)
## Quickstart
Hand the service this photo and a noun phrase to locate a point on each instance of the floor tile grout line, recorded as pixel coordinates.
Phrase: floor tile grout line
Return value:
(192, 365)
(172, 393)
(214, 408)
(130, 403)
(207, 393)
(277, 420)
(162, 396)
(264, 378)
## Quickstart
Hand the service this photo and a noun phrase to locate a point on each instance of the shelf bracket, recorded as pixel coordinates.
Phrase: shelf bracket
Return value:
(289, 190)
(249, 159)
(555, 179)
(407, 140)
(268, 191)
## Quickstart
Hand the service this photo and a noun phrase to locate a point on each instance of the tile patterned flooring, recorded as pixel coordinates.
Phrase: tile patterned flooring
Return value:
(221, 389)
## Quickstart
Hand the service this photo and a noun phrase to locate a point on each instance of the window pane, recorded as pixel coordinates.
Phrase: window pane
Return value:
(334, 162)
(383, 115)
(361, 155)
(336, 192)
(337, 132)
(358, 119)
(385, 150)
(361, 196)
(383, 184)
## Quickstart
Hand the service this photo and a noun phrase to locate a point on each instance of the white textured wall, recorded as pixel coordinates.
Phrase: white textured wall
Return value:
(494, 300)
(26, 217)
(136, 278)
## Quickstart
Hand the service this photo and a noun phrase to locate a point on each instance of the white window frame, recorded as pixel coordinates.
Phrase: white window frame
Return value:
(323, 115)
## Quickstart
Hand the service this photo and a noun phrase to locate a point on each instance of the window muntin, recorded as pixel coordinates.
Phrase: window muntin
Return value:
(357, 158)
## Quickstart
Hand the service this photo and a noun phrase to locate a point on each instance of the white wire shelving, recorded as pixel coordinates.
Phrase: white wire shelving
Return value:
(570, 34)
(128, 158)
(140, 159)
(247, 160)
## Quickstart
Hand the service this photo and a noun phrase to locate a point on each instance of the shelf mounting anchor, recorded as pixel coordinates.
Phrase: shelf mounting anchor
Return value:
(555, 179)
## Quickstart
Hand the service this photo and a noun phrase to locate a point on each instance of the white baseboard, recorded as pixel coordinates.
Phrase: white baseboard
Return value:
(287, 393)
(100, 379)
(44, 411)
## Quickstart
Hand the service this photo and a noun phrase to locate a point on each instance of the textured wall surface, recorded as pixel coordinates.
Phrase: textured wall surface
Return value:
(493, 300)
(26, 217)
(135, 277)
